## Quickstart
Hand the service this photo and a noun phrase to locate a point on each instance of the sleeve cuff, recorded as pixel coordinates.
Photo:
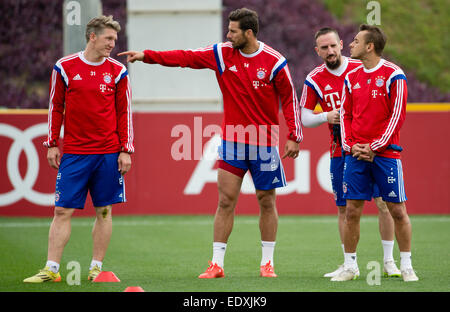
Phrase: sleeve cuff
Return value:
(147, 57)
(126, 150)
(49, 144)
(292, 137)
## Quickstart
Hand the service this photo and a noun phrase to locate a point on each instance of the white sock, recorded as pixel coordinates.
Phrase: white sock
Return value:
(267, 252)
(350, 260)
(54, 266)
(388, 248)
(343, 250)
(219, 253)
(95, 263)
(405, 260)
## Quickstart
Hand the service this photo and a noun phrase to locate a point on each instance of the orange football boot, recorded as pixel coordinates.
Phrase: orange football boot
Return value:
(267, 270)
(213, 271)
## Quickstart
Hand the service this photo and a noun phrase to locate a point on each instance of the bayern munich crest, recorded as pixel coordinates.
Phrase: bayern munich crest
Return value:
(261, 73)
(379, 81)
(107, 78)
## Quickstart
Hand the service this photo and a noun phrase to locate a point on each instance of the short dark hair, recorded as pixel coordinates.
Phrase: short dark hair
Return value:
(324, 31)
(247, 19)
(374, 35)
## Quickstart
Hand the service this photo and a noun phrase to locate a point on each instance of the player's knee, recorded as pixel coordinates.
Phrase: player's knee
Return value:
(62, 213)
(226, 202)
(266, 201)
(103, 212)
(400, 217)
(399, 214)
(352, 215)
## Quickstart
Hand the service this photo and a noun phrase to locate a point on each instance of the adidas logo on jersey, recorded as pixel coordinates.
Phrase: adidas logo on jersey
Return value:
(328, 87)
(233, 68)
(275, 180)
(357, 86)
(77, 77)
(392, 194)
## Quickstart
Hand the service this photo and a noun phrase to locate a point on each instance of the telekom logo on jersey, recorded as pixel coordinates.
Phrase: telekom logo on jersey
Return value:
(332, 100)
(207, 156)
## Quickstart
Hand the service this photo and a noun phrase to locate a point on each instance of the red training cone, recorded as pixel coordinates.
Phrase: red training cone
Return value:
(106, 276)
(134, 289)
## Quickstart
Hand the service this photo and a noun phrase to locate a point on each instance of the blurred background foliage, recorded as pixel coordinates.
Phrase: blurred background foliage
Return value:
(417, 34)
(30, 44)
(31, 40)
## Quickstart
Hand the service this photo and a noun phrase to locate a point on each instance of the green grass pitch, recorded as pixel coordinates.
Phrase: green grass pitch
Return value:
(167, 253)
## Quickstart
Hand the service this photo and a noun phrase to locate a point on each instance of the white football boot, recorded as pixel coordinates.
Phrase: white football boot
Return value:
(409, 275)
(390, 269)
(335, 272)
(346, 274)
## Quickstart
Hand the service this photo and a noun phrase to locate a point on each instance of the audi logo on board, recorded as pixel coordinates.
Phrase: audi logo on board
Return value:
(23, 187)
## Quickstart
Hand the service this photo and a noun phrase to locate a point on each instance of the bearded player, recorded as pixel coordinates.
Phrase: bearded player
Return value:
(254, 79)
(323, 86)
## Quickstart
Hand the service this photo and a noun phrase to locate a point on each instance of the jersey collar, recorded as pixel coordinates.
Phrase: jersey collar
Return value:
(380, 63)
(261, 47)
(81, 55)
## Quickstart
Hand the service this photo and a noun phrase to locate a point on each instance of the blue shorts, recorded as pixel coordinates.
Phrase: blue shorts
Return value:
(337, 175)
(360, 176)
(97, 173)
(263, 162)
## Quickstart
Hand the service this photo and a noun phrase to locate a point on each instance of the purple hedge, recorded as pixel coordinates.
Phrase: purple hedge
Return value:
(31, 43)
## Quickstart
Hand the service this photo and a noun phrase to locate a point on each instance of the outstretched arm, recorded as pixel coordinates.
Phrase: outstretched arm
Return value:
(133, 56)
(196, 59)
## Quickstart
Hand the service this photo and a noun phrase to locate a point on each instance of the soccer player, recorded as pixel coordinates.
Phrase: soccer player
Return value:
(372, 113)
(323, 85)
(91, 93)
(254, 78)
